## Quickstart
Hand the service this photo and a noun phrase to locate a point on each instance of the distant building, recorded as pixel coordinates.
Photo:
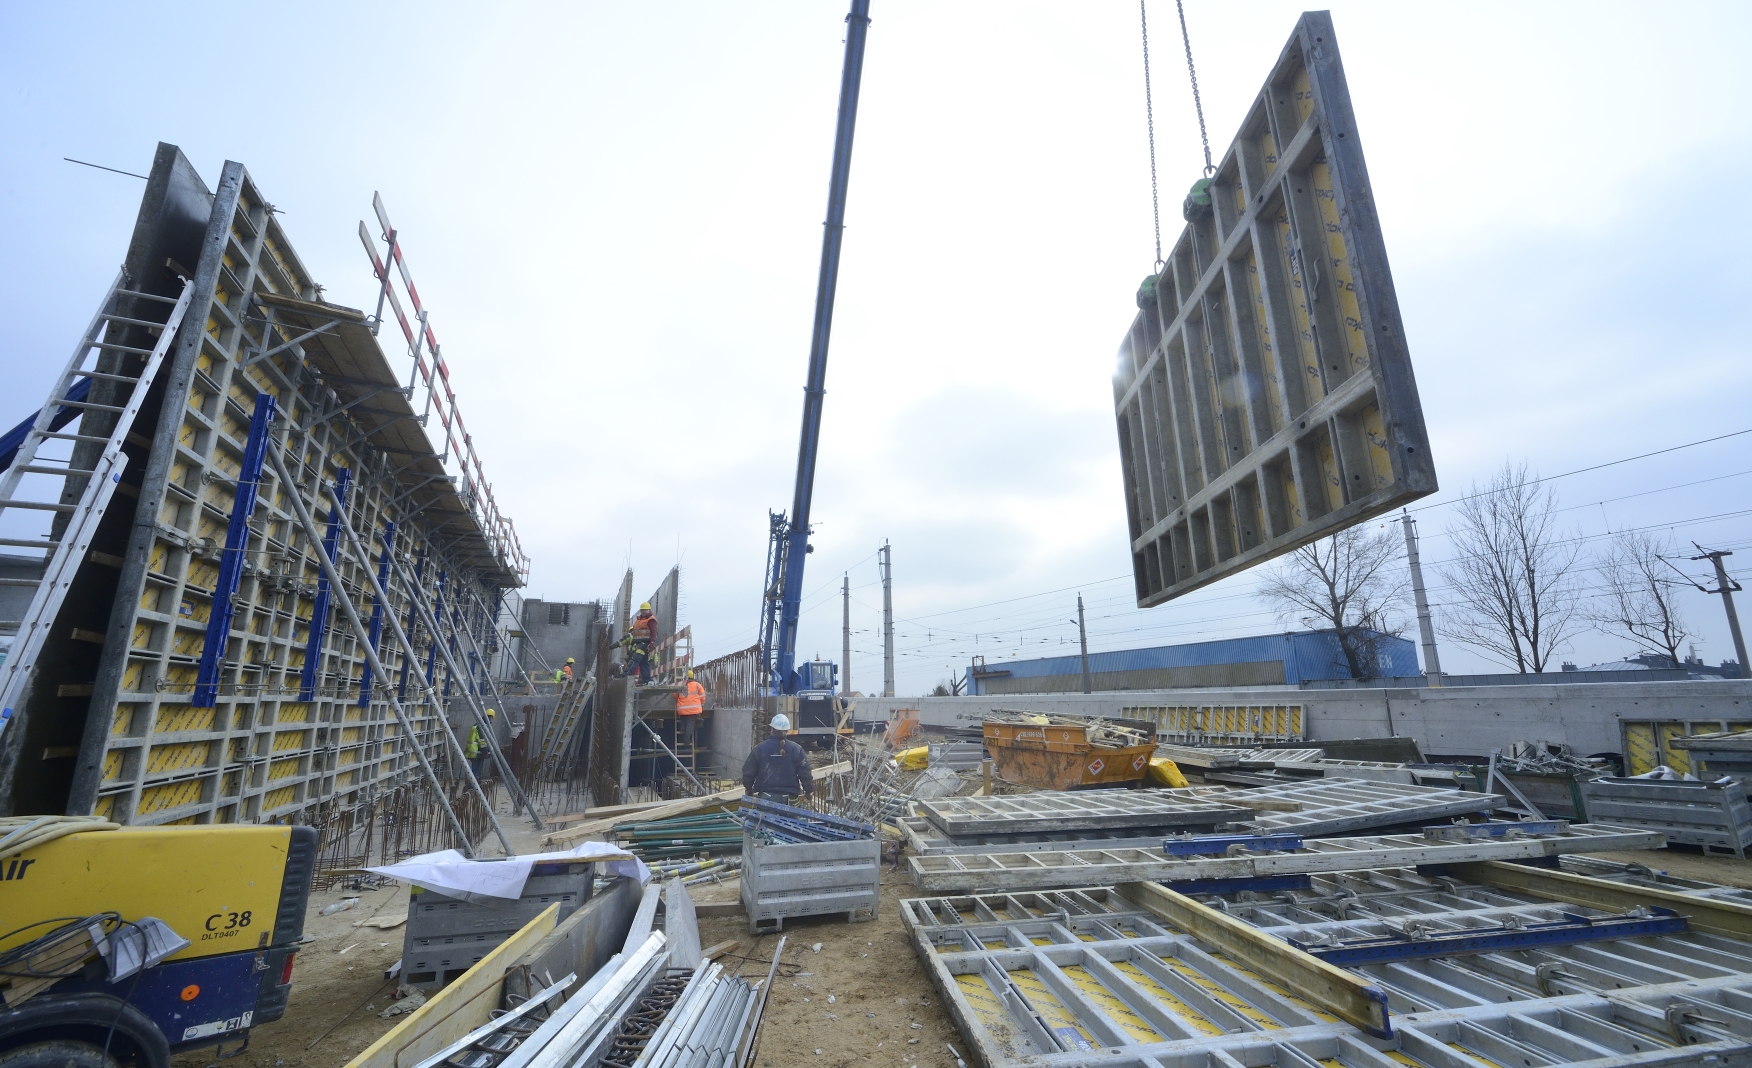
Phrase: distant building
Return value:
(1693, 666)
(1268, 660)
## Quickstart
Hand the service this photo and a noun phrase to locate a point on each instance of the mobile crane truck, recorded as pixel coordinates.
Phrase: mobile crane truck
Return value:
(125, 945)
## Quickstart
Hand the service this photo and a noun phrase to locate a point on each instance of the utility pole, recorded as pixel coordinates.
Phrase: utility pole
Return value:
(887, 563)
(1083, 640)
(1426, 628)
(846, 633)
(1727, 587)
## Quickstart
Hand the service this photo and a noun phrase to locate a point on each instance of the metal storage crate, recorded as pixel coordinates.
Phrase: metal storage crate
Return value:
(446, 935)
(1713, 815)
(781, 882)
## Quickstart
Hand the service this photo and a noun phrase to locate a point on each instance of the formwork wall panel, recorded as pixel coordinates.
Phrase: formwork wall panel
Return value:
(1265, 396)
(264, 753)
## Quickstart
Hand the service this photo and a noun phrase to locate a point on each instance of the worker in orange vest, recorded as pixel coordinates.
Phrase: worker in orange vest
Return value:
(689, 704)
(641, 639)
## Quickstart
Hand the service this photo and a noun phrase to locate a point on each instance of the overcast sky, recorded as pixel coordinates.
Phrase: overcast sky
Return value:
(613, 212)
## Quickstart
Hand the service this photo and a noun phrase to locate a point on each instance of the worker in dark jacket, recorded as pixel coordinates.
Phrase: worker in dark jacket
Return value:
(776, 769)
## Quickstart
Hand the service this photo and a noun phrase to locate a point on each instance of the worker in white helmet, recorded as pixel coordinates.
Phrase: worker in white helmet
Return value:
(777, 769)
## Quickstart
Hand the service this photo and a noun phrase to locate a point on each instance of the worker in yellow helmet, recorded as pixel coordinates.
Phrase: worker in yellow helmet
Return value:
(641, 639)
(566, 669)
(689, 704)
(472, 748)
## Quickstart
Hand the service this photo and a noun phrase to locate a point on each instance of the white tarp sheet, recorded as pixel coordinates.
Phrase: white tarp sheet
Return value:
(449, 872)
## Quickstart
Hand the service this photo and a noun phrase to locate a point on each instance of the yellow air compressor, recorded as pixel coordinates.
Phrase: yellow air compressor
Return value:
(82, 911)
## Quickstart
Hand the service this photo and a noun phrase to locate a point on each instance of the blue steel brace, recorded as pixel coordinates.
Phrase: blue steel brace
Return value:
(377, 614)
(449, 675)
(437, 615)
(1570, 931)
(319, 614)
(249, 482)
(401, 689)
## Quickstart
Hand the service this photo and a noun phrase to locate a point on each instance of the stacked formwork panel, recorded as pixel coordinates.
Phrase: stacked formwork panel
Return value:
(274, 740)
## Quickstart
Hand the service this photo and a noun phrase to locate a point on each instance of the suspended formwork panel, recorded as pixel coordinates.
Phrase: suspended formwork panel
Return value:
(205, 675)
(1264, 394)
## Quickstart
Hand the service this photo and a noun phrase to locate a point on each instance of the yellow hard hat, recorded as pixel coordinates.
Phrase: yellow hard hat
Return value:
(490, 712)
(690, 674)
(646, 607)
(569, 660)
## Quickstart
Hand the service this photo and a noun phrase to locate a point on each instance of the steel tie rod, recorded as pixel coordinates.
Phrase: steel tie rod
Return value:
(390, 617)
(473, 699)
(340, 593)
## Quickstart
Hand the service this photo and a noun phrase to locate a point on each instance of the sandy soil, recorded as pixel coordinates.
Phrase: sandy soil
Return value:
(1686, 863)
(884, 1013)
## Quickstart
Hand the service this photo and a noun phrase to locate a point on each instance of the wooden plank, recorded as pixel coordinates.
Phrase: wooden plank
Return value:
(1710, 915)
(687, 806)
(1339, 992)
(457, 1009)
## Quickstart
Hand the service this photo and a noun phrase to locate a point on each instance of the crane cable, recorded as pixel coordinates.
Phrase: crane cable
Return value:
(1150, 114)
(1197, 103)
(1150, 118)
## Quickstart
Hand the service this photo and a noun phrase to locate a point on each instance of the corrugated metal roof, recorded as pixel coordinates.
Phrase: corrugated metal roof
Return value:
(1306, 655)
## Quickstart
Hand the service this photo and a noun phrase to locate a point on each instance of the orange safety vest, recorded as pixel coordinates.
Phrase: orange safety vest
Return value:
(693, 702)
(645, 628)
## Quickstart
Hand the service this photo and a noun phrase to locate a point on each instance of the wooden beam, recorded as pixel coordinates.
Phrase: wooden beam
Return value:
(687, 806)
(1339, 992)
(1710, 915)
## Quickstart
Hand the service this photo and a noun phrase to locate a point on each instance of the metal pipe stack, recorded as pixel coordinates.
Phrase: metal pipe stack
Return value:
(711, 832)
(771, 822)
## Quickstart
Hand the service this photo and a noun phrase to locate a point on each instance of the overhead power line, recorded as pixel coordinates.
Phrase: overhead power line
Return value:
(1595, 467)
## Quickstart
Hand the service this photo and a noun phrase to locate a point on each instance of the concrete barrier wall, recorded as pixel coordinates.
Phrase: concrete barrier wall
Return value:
(1453, 720)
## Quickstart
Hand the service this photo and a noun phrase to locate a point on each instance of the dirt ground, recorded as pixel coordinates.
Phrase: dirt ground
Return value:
(1685, 862)
(861, 999)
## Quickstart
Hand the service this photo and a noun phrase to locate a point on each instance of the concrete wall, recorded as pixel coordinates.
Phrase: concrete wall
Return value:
(732, 738)
(574, 637)
(1469, 720)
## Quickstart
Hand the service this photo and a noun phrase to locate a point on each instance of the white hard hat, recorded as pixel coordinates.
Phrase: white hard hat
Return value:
(781, 722)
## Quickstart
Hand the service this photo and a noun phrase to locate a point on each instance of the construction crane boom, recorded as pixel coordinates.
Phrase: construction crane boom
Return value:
(790, 535)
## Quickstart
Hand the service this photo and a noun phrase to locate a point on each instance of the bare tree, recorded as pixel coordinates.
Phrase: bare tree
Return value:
(1348, 583)
(1640, 600)
(1514, 573)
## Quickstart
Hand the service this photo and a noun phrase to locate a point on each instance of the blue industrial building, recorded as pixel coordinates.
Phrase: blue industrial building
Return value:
(1267, 660)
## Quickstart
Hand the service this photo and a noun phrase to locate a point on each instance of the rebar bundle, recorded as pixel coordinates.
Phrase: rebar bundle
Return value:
(642, 1023)
(400, 822)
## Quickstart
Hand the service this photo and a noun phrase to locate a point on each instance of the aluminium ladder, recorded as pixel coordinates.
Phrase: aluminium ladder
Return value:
(567, 712)
(64, 554)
